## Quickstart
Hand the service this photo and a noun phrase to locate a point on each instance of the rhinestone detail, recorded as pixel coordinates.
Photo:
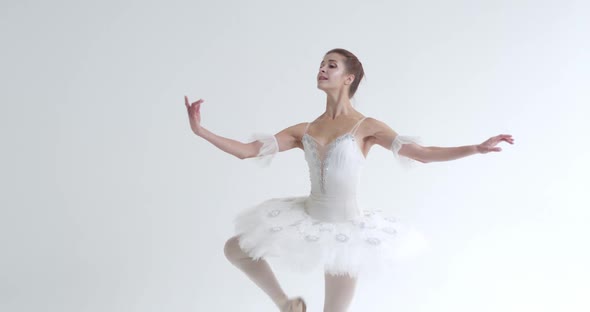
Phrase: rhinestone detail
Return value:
(373, 241)
(389, 230)
(275, 229)
(274, 213)
(391, 219)
(311, 238)
(341, 237)
(322, 166)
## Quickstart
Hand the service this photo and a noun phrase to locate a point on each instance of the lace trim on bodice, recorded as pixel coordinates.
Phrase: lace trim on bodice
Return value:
(322, 154)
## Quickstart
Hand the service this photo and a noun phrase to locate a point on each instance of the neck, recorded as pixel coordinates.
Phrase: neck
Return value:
(338, 104)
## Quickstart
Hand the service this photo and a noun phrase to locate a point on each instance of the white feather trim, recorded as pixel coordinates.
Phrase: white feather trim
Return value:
(397, 144)
(269, 148)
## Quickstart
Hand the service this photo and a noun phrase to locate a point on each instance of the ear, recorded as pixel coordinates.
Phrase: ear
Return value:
(349, 79)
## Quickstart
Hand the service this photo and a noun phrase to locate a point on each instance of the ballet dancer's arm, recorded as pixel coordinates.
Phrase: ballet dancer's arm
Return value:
(285, 139)
(451, 153)
(382, 134)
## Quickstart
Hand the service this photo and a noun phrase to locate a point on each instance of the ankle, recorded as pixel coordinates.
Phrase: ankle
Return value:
(282, 302)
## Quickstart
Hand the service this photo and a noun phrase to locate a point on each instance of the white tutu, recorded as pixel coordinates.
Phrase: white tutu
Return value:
(280, 230)
(327, 228)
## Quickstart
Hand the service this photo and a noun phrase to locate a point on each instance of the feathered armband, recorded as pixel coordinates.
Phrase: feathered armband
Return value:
(269, 148)
(397, 144)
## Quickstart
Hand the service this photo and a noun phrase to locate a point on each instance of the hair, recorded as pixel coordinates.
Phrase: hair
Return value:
(353, 66)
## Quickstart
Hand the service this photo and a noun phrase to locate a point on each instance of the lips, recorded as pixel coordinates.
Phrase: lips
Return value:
(322, 78)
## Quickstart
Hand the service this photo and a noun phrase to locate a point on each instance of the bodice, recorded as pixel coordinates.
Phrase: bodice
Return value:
(334, 171)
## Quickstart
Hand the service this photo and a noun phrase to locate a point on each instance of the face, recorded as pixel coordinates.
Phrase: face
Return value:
(332, 74)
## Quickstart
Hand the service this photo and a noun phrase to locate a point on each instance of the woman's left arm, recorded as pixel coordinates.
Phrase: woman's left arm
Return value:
(435, 153)
(382, 134)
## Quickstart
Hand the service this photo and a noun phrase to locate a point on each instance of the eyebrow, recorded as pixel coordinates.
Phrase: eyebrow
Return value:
(332, 61)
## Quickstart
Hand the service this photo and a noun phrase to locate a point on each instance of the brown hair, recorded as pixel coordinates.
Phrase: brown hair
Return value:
(353, 66)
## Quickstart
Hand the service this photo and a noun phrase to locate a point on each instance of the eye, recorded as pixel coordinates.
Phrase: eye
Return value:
(333, 65)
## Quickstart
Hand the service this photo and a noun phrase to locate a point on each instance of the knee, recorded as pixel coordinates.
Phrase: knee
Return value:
(231, 249)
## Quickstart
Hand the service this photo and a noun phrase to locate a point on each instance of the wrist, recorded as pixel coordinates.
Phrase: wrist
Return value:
(198, 131)
(477, 149)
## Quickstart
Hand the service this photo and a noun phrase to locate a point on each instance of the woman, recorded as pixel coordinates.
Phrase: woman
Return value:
(326, 228)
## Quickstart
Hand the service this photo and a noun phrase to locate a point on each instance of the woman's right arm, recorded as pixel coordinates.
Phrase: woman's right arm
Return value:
(285, 140)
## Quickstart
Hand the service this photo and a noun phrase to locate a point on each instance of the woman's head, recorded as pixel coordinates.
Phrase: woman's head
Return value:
(340, 68)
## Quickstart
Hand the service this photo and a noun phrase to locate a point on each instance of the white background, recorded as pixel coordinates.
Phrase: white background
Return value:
(110, 203)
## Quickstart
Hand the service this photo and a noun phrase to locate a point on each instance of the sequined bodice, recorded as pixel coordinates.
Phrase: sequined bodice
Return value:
(334, 171)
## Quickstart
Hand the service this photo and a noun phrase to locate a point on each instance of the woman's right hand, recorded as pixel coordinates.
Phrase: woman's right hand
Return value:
(194, 114)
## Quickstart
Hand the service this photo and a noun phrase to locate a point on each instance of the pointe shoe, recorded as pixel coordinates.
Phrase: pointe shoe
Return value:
(295, 305)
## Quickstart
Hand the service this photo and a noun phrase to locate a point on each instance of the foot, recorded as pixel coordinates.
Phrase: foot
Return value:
(296, 304)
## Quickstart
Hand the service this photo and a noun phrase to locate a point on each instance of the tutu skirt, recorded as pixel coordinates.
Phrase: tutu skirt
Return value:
(280, 230)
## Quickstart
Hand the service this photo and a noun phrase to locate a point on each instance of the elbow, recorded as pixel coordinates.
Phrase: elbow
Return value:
(244, 156)
(247, 152)
(421, 159)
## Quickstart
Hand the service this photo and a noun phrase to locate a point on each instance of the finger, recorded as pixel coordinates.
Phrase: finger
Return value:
(186, 101)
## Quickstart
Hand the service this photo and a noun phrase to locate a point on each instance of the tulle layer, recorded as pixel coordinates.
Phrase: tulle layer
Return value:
(397, 144)
(280, 230)
(268, 149)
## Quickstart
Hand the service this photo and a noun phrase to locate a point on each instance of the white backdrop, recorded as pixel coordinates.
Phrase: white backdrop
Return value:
(110, 203)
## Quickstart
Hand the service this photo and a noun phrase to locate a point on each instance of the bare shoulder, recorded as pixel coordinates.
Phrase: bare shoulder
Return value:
(371, 124)
(296, 130)
(377, 132)
(373, 127)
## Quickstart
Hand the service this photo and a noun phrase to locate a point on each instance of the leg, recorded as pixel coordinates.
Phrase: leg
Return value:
(258, 271)
(339, 292)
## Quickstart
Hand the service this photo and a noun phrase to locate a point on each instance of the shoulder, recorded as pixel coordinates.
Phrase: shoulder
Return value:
(293, 133)
(295, 127)
(371, 122)
(373, 126)
(375, 131)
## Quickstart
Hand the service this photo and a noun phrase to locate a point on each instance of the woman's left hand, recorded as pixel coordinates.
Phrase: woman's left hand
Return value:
(489, 145)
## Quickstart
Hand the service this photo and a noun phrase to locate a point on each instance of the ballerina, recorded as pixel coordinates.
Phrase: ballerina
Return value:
(326, 228)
